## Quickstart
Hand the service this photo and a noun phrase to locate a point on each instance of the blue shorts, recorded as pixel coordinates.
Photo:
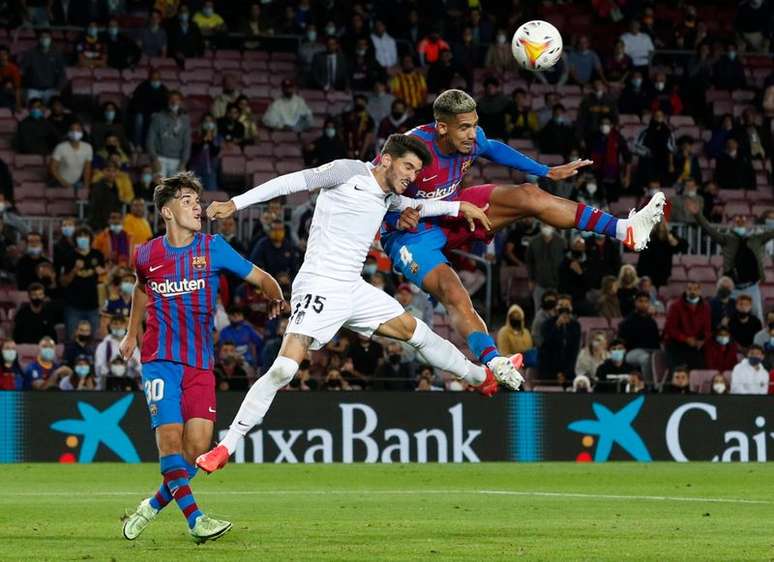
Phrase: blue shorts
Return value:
(415, 254)
(177, 393)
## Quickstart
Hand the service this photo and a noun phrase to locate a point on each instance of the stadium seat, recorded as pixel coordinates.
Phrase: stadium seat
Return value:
(233, 166)
(35, 208)
(736, 208)
(27, 352)
(702, 274)
(261, 164)
(700, 380)
(60, 208)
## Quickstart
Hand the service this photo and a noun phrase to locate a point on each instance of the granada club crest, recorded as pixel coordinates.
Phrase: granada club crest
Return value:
(199, 262)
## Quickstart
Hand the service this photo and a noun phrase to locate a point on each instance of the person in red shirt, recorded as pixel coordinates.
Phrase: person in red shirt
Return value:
(720, 351)
(9, 71)
(688, 328)
(11, 374)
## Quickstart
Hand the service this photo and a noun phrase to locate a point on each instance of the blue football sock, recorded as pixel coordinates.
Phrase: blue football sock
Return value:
(162, 497)
(482, 346)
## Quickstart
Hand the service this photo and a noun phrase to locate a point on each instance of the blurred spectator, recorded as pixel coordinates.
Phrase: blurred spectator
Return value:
(103, 198)
(584, 63)
(612, 159)
(467, 56)
(687, 163)
(545, 254)
(574, 277)
(385, 47)
(121, 290)
(545, 311)
(608, 306)
(723, 304)
(603, 257)
(733, 170)
(545, 113)
(44, 368)
(380, 101)
(627, 288)
(65, 245)
(365, 356)
(9, 96)
(561, 343)
(719, 385)
(357, 130)
(26, 267)
(409, 84)
(256, 25)
(230, 94)
(666, 96)
(80, 344)
(749, 376)
(122, 52)
(35, 318)
(59, 116)
(43, 69)
(499, 57)
(690, 193)
(763, 338)
(169, 137)
(145, 184)
(10, 71)
(80, 277)
(430, 47)
(514, 336)
(680, 382)
(398, 121)
(640, 335)
(92, 51)
(415, 303)
(135, 224)
(275, 253)
(205, 153)
(334, 381)
(227, 229)
(363, 69)
(11, 373)
(442, 72)
(753, 24)
(122, 377)
(557, 75)
(491, 108)
(720, 352)
(248, 343)
(394, 373)
(208, 20)
(150, 96)
(111, 151)
(35, 134)
(656, 147)
(328, 147)
(718, 141)
(289, 111)
(185, 39)
(558, 135)
(309, 47)
(153, 38)
(618, 66)
(108, 123)
(638, 46)
(581, 384)
(592, 355)
(70, 164)
(728, 71)
(615, 364)
(230, 371)
(743, 324)
(329, 68)
(108, 350)
(594, 107)
(656, 260)
(114, 242)
(247, 119)
(636, 95)
(755, 140)
(687, 328)
(480, 26)
(743, 255)
(81, 378)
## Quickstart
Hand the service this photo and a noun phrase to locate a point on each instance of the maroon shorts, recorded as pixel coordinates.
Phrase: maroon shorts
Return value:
(457, 230)
(177, 393)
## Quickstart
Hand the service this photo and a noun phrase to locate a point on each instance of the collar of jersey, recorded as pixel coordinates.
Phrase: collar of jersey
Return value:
(169, 248)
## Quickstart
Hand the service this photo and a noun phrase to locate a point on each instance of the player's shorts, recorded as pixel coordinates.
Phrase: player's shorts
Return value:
(177, 393)
(320, 307)
(415, 254)
(457, 229)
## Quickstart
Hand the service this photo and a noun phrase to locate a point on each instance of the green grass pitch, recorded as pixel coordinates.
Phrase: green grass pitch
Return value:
(494, 511)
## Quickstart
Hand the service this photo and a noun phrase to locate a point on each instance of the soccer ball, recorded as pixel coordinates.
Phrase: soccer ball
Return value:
(537, 45)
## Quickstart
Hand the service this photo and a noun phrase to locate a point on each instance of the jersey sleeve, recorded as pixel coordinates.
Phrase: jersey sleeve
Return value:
(501, 153)
(430, 207)
(139, 266)
(328, 175)
(225, 257)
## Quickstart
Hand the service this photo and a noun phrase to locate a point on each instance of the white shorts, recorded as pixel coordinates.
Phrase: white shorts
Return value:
(320, 307)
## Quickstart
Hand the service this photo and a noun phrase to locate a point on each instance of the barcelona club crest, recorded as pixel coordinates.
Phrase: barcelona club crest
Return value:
(199, 262)
(465, 167)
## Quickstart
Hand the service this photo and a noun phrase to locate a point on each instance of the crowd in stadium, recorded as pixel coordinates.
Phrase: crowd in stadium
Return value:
(99, 99)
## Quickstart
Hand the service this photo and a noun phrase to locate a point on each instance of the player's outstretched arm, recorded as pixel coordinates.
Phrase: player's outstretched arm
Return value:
(129, 343)
(269, 286)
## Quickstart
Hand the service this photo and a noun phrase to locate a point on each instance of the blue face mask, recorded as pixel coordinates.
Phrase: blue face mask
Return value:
(155, 84)
(617, 355)
(110, 115)
(47, 353)
(127, 287)
(732, 55)
(147, 178)
(82, 370)
(36, 113)
(68, 231)
(82, 243)
(740, 230)
(113, 32)
(723, 340)
(637, 82)
(754, 361)
(370, 269)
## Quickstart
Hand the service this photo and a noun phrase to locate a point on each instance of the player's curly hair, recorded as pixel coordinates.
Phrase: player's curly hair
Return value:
(170, 188)
(451, 103)
(398, 145)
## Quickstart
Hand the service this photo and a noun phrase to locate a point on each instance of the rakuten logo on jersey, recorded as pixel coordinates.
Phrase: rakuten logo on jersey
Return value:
(438, 193)
(169, 288)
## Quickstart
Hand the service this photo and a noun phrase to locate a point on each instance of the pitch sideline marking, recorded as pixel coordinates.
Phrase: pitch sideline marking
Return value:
(565, 495)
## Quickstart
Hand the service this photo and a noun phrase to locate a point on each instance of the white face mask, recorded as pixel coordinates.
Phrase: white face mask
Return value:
(606, 129)
(501, 39)
(591, 188)
(547, 231)
(118, 370)
(719, 388)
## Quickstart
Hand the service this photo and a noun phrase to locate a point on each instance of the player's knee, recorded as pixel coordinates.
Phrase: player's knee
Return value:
(282, 371)
(534, 195)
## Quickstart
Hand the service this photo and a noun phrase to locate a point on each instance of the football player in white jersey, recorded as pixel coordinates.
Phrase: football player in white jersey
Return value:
(329, 293)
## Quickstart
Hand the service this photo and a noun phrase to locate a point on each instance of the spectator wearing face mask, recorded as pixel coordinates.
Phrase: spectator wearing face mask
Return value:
(357, 130)
(122, 52)
(275, 253)
(136, 224)
(594, 107)
(558, 135)
(574, 277)
(592, 355)
(35, 134)
(27, 265)
(43, 69)
(35, 318)
(108, 349)
(666, 97)
(65, 244)
(80, 279)
(723, 305)
(81, 377)
(545, 254)
(762, 337)
(248, 344)
(288, 112)
(185, 37)
(123, 377)
(114, 242)
(11, 372)
(145, 184)
(104, 198)
(636, 95)
(719, 385)
(733, 169)
(656, 147)
(327, 147)
(398, 121)
(615, 364)
(728, 71)
(749, 376)
(743, 255)
(612, 159)
(687, 328)
(394, 373)
(169, 137)
(92, 51)
(119, 300)
(690, 193)
(640, 334)
(205, 153)
(561, 343)
(679, 383)
(720, 351)
(656, 260)
(44, 368)
(514, 336)
(743, 324)
(70, 164)
(150, 97)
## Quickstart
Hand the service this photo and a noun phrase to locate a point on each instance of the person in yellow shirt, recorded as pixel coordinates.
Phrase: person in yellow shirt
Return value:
(208, 21)
(123, 180)
(135, 224)
(514, 337)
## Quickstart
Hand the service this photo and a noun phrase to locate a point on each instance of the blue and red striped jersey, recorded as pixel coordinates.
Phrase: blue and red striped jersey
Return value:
(182, 289)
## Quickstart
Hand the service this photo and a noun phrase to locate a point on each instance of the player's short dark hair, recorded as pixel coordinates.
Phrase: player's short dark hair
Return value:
(398, 145)
(451, 103)
(170, 188)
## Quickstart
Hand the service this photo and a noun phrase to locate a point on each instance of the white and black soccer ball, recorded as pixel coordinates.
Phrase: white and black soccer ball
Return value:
(537, 45)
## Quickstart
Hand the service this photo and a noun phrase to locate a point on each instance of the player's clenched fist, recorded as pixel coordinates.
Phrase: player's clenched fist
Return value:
(221, 210)
(409, 218)
(127, 346)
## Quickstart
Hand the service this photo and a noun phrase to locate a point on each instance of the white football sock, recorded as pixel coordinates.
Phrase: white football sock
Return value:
(442, 354)
(620, 229)
(258, 399)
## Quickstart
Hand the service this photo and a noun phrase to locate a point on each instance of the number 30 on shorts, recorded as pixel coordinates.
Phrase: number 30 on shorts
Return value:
(154, 390)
